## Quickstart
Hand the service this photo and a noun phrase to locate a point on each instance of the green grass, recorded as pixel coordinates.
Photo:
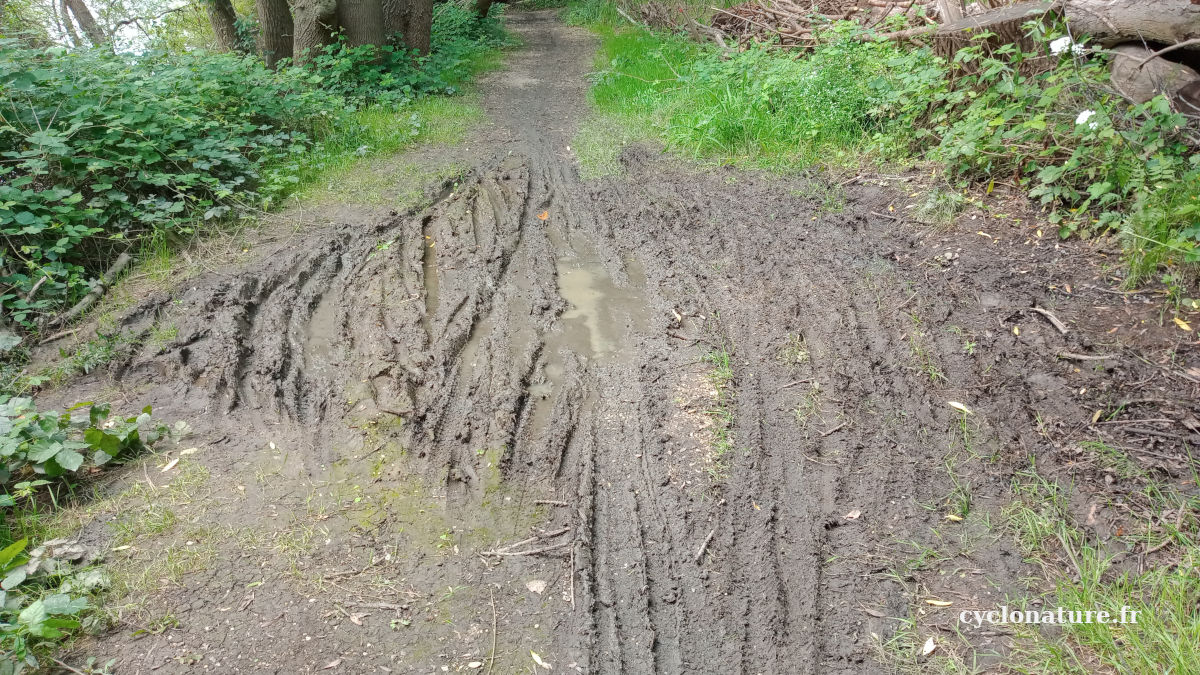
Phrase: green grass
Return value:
(721, 412)
(1166, 637)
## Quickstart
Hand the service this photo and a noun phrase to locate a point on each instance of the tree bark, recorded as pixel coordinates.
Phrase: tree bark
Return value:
(69, 25)
(87, 22)
(275, 30)
(482, 7)
(222, 17)
(1110, 22)
(361, 21)
(1005, 26)
(950, 10)
(420, 22)
(395, 17)
(315, 21)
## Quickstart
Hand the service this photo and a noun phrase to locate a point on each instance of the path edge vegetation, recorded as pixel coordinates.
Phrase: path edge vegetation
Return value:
(244, 139)
(1095, 164)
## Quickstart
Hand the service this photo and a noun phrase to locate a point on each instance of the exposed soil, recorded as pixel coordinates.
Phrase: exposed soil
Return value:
(392, 413)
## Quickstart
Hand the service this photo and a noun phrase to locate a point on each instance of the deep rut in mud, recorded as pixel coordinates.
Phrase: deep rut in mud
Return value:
(529, 353)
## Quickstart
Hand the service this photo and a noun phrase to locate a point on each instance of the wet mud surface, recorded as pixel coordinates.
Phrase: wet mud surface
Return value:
(491, 426)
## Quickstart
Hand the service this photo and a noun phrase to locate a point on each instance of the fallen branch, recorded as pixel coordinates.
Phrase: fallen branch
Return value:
(535, 551)
(1062, 327)
(98, 292)
(826, 433)
(1071, 356)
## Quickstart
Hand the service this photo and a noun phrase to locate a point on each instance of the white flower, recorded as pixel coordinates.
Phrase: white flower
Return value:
(1084, 116)
(1064, 43)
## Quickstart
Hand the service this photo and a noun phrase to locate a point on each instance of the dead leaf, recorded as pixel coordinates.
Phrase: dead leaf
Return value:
(955, 518)
(1183, 325)
(958, 406)
(170, 465)
(873, 612)
(189, 451)
(536, 585)
(1016, 330)
(475, 664)
(929, 648)
(356, 619)
(755, 505)
(938, 603)
(853, 515)
(543, 215)
(332, 664)
(538, 660)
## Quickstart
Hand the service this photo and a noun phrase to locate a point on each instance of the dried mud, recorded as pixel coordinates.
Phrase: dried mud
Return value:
(386, 406)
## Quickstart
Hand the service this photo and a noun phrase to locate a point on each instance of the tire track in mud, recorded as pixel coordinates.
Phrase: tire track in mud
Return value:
(556, 329)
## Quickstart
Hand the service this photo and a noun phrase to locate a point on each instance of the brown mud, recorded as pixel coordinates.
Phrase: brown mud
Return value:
(445, 439)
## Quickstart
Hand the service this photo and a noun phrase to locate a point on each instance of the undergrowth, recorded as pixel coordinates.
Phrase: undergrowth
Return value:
(101, 152)
(1096, 163)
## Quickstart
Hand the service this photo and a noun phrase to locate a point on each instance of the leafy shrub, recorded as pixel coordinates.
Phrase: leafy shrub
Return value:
(101, 150)
(52, 444)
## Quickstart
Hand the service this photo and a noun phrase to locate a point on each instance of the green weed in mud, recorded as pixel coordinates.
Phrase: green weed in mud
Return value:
(721, 412)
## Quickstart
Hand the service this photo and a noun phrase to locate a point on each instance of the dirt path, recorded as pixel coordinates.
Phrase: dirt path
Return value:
(391, 417)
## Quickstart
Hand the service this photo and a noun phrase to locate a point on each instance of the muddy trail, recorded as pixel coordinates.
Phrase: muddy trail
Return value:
(682, 420)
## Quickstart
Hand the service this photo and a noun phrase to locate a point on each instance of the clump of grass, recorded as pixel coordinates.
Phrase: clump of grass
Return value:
(721, 412)
(941, 205)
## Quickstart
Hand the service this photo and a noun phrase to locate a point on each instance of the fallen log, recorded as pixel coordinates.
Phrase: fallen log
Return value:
(1112, 22)
(1140, 76)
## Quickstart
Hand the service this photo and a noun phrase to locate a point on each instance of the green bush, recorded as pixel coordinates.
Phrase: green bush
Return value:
(101, 150)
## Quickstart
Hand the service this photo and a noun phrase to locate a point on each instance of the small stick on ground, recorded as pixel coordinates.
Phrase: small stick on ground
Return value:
(791, 384)
(1071, 356)
(826, 433)
(58, 336)
(551, 502)
(1062, 327)
(704, 545)
(534, 551)
(492, 658)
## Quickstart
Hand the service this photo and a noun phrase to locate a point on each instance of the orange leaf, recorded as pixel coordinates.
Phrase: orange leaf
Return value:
(543, 215)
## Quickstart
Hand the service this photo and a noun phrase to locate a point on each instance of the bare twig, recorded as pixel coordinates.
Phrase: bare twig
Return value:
(791, 384)
(1062, 327)
(492, 657)
(826, 433)
(551, 502)
(1071, 356)
(704, 545)
(535, 551)
(1164, 50)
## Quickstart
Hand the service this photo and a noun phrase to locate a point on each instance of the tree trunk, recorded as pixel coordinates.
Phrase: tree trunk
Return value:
(395, 17)
(275, 29)
(482, 7)
(420, 21)
(222, 18)
(1111, 22)
(69, 26)
(950, 10)
(87, 22)
(315, 21)
(361, 21)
